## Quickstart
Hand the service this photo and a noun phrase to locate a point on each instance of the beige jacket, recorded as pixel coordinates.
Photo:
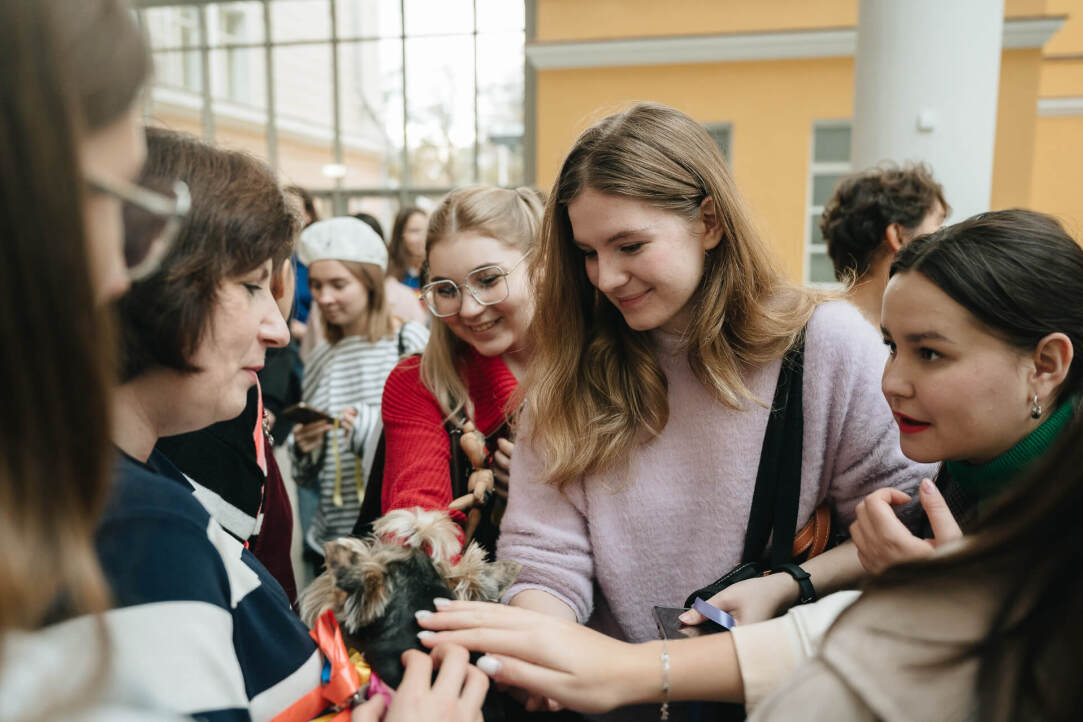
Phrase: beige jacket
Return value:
(769, 652)
(880, 661)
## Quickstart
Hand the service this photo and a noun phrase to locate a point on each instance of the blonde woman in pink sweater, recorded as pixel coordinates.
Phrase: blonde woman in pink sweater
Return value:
(660, 328)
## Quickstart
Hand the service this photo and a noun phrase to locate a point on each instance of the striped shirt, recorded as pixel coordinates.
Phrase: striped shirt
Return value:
(207, 630)
(348, 374)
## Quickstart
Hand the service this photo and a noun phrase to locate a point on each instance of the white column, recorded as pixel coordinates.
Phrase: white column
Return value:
(925, 89)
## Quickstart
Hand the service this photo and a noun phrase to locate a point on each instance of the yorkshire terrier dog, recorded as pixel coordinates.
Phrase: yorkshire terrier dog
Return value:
(375, 584)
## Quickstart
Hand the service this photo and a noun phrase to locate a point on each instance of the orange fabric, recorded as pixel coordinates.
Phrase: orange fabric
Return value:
(344, 683)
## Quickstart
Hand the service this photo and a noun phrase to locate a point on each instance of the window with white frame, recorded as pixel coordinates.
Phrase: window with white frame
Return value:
(176, 27)
(830, 162)
(235, 26)
(722, 135)
(367, 103)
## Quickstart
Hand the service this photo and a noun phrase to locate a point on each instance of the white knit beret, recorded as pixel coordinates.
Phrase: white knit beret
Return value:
(342, 239)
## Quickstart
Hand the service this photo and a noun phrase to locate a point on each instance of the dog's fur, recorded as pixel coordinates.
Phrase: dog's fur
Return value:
(374, 585)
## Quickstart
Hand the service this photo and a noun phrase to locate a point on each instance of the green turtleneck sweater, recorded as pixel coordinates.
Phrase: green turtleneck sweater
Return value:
(984, 481)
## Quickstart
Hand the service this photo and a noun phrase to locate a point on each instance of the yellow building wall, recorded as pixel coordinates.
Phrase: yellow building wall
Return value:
(771, 106)
(1057, 186)
(1057, 176)
(594, 20)
(1062, 77)
(1013, 154)
(598, 19)
(1069, 39)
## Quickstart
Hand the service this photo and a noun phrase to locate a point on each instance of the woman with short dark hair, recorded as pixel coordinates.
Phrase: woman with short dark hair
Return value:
(870, 216)
(193, 336)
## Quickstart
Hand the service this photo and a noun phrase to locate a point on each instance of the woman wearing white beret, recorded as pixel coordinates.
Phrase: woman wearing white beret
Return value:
(344, 377)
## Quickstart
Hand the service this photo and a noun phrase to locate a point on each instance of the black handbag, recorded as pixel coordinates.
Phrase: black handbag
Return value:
(778, 488)
(459, 468)
(774, 509)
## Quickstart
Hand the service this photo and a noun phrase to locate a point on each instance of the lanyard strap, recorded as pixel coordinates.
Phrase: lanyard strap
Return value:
(336, 496)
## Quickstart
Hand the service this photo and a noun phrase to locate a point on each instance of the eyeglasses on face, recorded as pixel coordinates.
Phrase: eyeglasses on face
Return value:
(488, 285)
(152, 212)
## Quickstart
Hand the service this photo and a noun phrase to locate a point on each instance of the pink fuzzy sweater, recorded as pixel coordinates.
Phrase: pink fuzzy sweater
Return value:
(618, 543)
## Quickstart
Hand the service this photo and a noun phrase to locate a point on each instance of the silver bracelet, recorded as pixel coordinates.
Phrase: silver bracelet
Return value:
(664, 712)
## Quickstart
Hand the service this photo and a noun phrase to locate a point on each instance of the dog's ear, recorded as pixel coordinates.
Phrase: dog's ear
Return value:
(474, 579)
(361, 578)
(318, 597)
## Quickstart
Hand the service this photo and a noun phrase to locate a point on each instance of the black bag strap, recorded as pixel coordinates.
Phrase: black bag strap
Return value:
(372, 503)
(460, 465)
(778, 479)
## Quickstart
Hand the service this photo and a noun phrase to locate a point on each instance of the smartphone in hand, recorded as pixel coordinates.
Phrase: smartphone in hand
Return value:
(670, 627)
(304, 414)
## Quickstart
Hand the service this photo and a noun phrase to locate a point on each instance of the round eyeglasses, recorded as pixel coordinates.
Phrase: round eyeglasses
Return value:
(488, 285)
(152, 212)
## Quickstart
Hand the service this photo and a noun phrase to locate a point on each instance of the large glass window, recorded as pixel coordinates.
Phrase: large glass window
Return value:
(367, 103)
(830, 162)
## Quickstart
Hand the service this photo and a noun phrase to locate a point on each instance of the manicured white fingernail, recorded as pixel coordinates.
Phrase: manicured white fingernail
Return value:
(440, 602)
(425, 634)
(489, 665)
(422, 614)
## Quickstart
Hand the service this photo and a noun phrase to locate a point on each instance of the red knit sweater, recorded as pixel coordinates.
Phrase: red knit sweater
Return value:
(416, 469)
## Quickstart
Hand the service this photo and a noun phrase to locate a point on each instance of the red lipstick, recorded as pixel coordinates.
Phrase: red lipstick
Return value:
(908, 425)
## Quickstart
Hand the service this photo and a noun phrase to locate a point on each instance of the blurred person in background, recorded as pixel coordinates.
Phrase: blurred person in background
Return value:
(870, 216)
(403, 301)
(345, 375)
(407, 247)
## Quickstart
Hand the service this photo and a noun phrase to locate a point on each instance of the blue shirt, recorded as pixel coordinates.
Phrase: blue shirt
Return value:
(220, 638)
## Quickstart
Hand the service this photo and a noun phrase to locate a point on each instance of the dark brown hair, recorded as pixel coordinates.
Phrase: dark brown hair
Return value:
(1018, 272)
(307, 202)
(372, 222)
(239, 218)
(1021, 275)
(396, 248)
(865, 204)
(69, 69)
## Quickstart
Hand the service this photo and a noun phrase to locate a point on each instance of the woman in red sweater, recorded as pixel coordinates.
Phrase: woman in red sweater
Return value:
(481, 300)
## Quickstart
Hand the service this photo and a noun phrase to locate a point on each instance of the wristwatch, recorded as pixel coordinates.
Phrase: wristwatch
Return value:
(804, 582)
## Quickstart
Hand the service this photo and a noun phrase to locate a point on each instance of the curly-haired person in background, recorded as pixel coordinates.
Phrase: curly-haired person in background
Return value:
(870, 216)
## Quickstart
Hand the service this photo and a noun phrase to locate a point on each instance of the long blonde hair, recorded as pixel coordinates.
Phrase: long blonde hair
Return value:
(378, 322)
(594, 387)
(510, 216)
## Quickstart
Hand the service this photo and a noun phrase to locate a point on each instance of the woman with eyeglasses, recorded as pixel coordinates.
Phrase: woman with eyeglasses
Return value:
(344, 377)
(477, 255)
(983, 319)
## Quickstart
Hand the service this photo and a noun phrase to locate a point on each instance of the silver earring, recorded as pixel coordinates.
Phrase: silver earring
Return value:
(1035, 408)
